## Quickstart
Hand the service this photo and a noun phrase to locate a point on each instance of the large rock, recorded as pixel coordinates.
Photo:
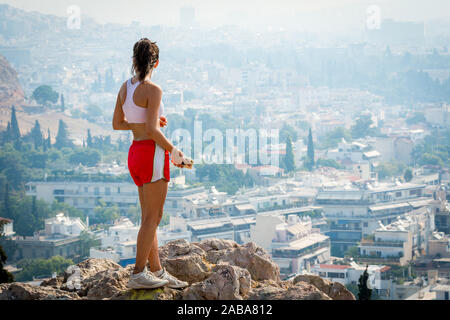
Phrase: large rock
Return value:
(216, 244)
(334, 290)
(215, 269)
(226, 283)
(22, 291)
(92, 278)
(185, 261)
(249, 256)
(299, 291)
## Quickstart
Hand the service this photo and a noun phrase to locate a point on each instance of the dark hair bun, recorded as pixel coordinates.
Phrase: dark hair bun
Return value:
(145, 56)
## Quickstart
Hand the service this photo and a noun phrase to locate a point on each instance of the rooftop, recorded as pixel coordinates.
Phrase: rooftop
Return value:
(334, 266)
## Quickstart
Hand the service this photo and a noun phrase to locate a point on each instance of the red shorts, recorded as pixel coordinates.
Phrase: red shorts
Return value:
(148, 162)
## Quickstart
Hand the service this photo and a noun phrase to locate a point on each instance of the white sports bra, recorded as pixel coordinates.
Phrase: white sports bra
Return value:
(134, 113)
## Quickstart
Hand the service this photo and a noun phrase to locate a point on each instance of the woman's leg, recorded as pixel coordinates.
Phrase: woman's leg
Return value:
(153, 258)
(154, 195)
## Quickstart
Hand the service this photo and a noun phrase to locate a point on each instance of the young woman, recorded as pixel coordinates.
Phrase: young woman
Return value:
(139, 109)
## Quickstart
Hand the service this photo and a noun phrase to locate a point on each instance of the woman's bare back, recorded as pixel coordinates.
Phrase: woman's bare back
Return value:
(140, 98)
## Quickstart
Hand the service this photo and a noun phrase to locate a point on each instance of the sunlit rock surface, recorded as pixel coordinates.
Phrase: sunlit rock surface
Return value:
(215, 269)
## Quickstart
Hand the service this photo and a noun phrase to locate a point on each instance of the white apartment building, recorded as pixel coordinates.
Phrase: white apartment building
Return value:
(293, 243)
(118, 243)
(379, 279)
(85, 195)
(60, 237)
(402, 240)
(66, 226)
(356, 152)
(354, 212)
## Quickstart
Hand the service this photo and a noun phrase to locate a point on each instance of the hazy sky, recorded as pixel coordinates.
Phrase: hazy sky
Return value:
(245, 12)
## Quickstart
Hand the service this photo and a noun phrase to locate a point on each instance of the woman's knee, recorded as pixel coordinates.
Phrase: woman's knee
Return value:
(151, 217)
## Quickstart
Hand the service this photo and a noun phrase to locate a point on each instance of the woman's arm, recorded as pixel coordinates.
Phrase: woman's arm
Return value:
(152, 125)
(119, 122)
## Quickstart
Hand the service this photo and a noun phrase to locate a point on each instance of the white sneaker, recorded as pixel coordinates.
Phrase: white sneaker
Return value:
(173, 282)
(145, 280)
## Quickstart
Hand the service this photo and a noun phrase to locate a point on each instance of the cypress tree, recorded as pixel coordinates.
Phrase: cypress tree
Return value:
(63, 106)
(364, 293)
(8, 133)
(62, 138)
(36, 133)
(89, 139)
(6, 202)
(49, 140)
(310, 154)
(289, 162)
(15, 132)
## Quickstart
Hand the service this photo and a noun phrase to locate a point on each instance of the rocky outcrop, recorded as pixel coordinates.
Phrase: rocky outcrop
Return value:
(334, 290)
(11, 92)
(215, 269)
(22, 291)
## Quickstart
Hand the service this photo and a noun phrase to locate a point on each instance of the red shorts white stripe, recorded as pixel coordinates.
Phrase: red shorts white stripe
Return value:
(148, 162)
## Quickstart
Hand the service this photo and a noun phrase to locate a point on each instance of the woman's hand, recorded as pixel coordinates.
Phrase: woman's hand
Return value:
(177, 157)
(163, 122)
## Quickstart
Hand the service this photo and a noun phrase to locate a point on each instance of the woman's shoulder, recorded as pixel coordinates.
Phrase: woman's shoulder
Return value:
(123, 91)
(152, 88)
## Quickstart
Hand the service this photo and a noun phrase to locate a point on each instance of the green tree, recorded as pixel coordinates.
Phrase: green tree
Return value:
(389, 169)
(48, 141)
(89, 139)
(288, 131)
(408, 175)
(87, 241)
(44, 94)
(310, 162)
(364, 293)
(63, 105)
(105, 214)
(62, 138)
(62, 207)
(86, 157)
(15, 131)
(289, 162)
(335, 136)
(225, 178)
(362, 127)
(38, 268)
(5, 275)
(38, 139)
(6, 202)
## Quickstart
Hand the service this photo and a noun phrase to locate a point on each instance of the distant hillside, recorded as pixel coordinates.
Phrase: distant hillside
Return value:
(11, 92)
(18, 26)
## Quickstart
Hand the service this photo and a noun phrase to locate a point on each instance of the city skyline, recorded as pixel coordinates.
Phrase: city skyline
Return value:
(322, 15)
